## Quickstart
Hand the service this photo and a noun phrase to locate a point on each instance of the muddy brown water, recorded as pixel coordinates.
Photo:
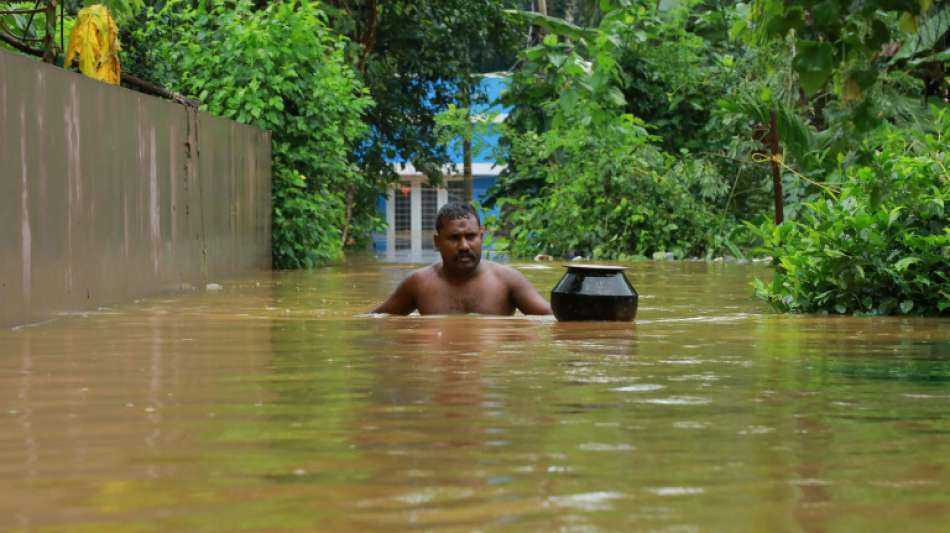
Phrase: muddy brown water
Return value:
(270, 406)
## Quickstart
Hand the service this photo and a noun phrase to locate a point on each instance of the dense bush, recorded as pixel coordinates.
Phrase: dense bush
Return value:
(881, 245)
(608, 199)
(282, 69)
(585, 175)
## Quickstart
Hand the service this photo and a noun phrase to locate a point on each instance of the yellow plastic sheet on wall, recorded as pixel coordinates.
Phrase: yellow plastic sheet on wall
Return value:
(95, 39)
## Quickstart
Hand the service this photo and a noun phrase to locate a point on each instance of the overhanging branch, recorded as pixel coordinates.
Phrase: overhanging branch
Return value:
(16, 43)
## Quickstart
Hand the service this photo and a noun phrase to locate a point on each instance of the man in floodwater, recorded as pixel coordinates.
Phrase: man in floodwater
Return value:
(462, 282)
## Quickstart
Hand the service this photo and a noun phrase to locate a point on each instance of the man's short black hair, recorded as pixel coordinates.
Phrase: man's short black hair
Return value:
(454, 211)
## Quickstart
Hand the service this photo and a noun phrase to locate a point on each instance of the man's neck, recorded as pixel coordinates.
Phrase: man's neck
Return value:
(458, 277)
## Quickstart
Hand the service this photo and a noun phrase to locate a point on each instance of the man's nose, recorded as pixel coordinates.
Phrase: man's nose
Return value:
(464, 244)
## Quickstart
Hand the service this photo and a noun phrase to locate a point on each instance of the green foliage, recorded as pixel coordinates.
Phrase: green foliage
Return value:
(817, 132)
(880, 246)
(122, 10)
(281, 69)
(306, 223)
(29, 28)
(845, 44)
(673, 74)
(456, 125)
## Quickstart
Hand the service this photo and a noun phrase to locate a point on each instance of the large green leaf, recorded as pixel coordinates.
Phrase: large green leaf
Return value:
(928, 35)
(814, 64)
(939, 56)
(554, 25)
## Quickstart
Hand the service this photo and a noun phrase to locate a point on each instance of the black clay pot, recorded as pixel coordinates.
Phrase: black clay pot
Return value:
(594, 292)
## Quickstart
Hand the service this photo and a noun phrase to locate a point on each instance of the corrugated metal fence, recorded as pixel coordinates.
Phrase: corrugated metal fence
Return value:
(107, 195)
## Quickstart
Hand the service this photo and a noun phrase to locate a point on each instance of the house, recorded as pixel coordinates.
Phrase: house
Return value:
(410, 205)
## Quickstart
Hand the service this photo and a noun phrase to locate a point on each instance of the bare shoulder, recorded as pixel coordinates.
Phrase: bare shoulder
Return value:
(510, 275)
(523, 293)
(405, 299)
(421, 276)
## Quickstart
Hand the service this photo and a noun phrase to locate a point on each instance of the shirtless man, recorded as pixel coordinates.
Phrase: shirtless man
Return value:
(462, 282)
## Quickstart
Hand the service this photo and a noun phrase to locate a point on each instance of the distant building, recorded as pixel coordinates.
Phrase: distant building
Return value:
(410, 206)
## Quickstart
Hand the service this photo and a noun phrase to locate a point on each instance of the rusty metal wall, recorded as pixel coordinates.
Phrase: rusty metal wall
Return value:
(107, 195)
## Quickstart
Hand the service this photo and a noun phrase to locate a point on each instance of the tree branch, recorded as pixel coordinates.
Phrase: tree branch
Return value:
(21, 11)
(14, 42)
(368, 39)
(148, 87)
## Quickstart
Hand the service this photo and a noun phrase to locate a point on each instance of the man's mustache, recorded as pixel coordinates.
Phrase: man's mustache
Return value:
(465, 254)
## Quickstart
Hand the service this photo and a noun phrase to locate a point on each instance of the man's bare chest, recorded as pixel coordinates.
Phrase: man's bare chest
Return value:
(485, 296)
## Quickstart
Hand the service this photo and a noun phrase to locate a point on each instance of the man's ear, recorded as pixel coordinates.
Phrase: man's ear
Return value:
(435, 240)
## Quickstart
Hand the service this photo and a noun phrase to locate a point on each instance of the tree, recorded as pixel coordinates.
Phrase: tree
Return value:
(417, 58)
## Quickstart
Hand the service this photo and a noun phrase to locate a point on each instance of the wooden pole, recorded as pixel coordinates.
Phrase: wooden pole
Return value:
(776, 172)
(49, 41)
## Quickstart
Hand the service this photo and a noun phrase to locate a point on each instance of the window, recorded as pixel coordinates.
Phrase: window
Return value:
(456, 190)
(403, 195)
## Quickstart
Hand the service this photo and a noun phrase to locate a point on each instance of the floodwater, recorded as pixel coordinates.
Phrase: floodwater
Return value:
(269, 406)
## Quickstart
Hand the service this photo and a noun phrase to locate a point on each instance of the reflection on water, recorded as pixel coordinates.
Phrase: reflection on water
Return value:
(272, 405)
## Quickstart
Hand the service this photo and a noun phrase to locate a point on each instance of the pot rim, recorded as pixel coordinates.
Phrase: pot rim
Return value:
(601, 268)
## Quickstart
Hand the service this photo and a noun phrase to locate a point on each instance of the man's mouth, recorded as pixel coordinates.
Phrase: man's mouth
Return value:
(465, 257)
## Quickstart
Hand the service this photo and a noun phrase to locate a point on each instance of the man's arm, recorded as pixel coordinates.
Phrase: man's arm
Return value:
(524, 295)
(402, 301)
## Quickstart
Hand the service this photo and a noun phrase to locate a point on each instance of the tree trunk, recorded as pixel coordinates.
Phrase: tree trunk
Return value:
(467, 168)
(543, 7)
(349, 214)
(467, 149)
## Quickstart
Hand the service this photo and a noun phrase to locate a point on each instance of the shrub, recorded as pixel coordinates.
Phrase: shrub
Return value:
(881, 245)
(611, 202)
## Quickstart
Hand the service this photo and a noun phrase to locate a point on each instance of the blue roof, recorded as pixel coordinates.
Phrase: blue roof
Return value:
(493, 86)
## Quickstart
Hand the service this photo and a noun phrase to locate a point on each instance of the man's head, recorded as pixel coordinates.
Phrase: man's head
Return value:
(458, 237)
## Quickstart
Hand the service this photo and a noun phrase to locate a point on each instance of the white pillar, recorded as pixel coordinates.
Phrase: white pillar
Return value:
(442, 197)
(415, 217)
(391, 222)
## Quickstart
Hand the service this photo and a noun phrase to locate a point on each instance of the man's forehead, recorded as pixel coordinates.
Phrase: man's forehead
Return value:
(460, 224)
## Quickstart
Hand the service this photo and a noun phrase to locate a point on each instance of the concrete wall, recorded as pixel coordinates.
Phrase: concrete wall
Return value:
(107, 195)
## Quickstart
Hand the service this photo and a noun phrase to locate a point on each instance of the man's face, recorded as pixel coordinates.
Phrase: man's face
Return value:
(460, 244)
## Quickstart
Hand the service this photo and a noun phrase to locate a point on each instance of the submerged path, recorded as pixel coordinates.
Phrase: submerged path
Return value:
(268, 405)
